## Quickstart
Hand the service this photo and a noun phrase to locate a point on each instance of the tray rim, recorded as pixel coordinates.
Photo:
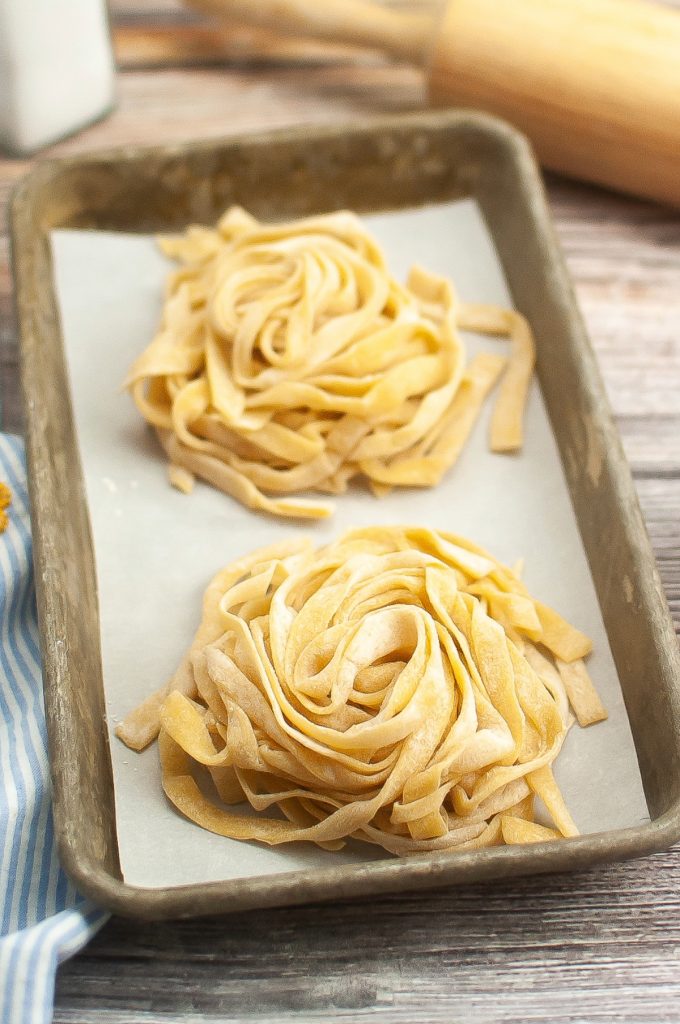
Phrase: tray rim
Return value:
(417, 872)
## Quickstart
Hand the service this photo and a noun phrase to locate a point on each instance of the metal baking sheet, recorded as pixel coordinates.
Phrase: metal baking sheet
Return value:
(397, 164)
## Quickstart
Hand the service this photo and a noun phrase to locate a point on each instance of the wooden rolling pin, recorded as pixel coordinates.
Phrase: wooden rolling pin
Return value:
(595, 84)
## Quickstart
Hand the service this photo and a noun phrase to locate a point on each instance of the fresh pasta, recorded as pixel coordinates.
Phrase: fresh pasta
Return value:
(5, 502)
(289, 360)
(399, 686)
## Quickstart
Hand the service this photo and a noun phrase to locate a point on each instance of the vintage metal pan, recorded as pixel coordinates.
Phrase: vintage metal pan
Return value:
(400, 162)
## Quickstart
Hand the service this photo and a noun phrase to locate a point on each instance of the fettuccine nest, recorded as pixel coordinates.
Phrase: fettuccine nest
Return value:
(399, 686)
(289, 359)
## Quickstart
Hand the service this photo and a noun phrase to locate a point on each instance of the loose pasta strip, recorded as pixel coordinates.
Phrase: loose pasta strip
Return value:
(5, 502)
(506, 423)
(582, 695)
(396, 686)
(288, 359)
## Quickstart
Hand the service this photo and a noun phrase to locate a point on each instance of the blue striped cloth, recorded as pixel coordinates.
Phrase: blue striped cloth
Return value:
(43, 920)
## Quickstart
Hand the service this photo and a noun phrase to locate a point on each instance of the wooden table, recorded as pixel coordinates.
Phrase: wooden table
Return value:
(604, 945)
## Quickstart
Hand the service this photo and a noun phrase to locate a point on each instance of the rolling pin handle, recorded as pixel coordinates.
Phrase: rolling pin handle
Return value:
(595, 84)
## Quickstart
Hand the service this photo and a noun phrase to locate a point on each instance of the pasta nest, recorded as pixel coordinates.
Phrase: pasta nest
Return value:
(289, 359)
(399, 686)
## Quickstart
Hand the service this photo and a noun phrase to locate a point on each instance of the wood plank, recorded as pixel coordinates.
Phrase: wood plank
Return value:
(602, 945)
(198, 44)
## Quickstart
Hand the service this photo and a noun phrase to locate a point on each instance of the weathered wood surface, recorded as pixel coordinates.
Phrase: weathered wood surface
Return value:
(601, 946)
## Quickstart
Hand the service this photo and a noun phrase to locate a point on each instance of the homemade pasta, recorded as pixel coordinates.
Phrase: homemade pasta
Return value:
(399, 686)
(5, 502)
(288, 360)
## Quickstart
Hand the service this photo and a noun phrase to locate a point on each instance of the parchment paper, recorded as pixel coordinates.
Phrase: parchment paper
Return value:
(156, 549)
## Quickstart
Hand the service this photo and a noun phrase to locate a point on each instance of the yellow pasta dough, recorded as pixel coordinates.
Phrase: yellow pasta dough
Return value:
(5, 502)
(289, 359)
(398, 686)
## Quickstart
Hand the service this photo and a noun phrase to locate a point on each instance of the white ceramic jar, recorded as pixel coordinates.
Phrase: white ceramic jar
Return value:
(56, 70)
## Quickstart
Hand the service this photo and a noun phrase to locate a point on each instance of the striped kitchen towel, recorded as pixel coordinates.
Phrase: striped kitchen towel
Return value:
(43, 920)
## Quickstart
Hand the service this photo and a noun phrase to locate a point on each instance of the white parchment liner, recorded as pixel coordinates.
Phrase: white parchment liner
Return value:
(156, 549)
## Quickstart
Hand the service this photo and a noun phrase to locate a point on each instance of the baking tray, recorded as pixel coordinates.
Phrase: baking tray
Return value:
(386, 164)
